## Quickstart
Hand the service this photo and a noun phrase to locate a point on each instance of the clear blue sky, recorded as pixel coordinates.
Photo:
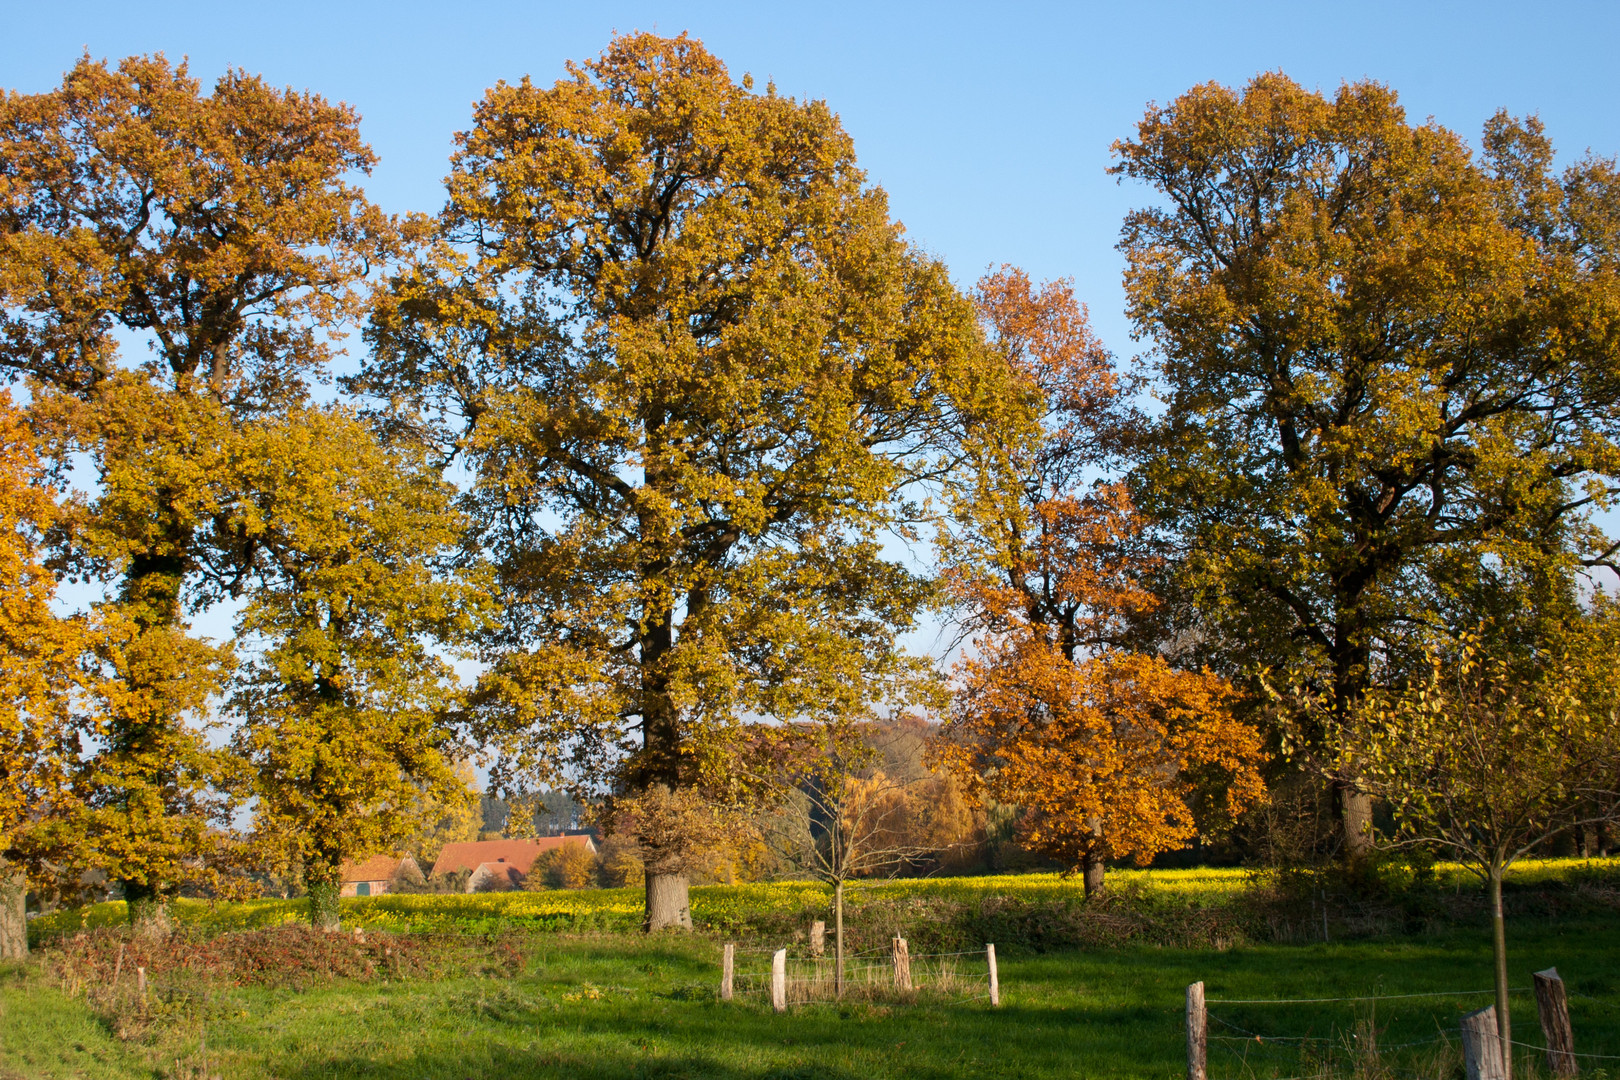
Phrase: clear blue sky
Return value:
(989, 124)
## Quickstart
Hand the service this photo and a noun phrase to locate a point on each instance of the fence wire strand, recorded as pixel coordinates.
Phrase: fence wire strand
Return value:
(1369, 997)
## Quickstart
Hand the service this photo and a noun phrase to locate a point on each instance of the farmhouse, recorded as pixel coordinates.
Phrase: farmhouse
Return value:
(372, 877)
(498, 865)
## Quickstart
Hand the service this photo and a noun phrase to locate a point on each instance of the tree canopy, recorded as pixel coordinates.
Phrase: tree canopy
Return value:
(1389, 371)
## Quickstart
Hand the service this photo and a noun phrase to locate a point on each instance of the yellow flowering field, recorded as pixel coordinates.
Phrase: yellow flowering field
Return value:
(722, 907)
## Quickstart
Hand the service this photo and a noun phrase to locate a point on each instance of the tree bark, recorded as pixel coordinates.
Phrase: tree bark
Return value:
(668, 902)
(323, 906)
(1350, 661)
(13, 915)
(148, 914)
(1355, 812)
(1504, 1027)
(1092, 870)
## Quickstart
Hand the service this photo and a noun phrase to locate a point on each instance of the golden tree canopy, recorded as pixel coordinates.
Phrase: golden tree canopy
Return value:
(696, 371)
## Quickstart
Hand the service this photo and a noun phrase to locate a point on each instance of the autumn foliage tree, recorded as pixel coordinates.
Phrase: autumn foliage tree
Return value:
(44, 680)
(695, 372)
(1102, 744)
(1105, 755)
(224, 230)
(342, 708)
(1389, 368)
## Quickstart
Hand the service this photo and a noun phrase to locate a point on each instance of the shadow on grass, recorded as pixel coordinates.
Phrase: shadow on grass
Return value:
(746, 1042)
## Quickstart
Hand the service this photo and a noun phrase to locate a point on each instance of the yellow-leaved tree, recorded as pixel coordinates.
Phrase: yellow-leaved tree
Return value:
(1492, 753)
(696, 374)
(222, 231)
(354, 620)
(1388, 366)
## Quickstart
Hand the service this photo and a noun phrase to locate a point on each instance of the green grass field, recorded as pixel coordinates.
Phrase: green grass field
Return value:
(606, 1004)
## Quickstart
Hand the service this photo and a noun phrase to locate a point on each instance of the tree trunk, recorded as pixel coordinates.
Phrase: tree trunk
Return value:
(150, 595)
(669, 904)
(1504, 1027)
(838, 939)
(13, 915)
(1092, 870)
(1355, 811)
(323, 906)
(148, 914)
(1350, 661)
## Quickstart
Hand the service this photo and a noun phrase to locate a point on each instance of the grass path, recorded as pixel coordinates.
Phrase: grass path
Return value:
(616, 1007)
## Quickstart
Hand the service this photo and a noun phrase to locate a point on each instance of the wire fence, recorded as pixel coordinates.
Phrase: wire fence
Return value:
(938, 978)
(1378, 1035)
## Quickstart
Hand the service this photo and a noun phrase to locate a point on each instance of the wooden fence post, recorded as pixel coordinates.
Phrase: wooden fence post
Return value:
(1197, 1033)
(120, 965)
(140, 980)
(1553, 1005)
(1482, 1045)
(818, 938)
(728, 962)
(902, 965)
(995, 983)
(779, 980)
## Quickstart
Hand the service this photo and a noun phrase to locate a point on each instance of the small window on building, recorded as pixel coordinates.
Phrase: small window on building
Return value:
(363, 889)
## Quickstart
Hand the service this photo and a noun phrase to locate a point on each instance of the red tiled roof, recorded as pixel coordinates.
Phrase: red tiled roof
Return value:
(518, 854)
(376, 868)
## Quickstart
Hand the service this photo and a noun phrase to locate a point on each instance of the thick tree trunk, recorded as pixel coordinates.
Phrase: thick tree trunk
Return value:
(148, 914)
(150, 595)
(1355, 812)
(669, 905)
(1092, 871)
(1504, 1027)
(1350, 660)
(323, 906)
(13, 915)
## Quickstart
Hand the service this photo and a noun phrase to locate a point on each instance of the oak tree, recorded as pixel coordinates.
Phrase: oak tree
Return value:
(697, 375)
(1105, 755)
(1389, 366)
(222, 228)
(352, 620)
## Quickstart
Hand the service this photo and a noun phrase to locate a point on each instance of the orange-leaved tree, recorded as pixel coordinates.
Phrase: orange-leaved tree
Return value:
(1104, 755)
(42, 675)
(1102, 744)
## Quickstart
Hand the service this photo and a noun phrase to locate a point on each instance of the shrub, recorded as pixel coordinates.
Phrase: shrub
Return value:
(571, 866)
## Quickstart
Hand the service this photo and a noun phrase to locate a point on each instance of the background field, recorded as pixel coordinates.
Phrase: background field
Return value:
(495, 994)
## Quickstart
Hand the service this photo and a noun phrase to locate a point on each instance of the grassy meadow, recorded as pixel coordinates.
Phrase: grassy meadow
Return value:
(456, 987)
